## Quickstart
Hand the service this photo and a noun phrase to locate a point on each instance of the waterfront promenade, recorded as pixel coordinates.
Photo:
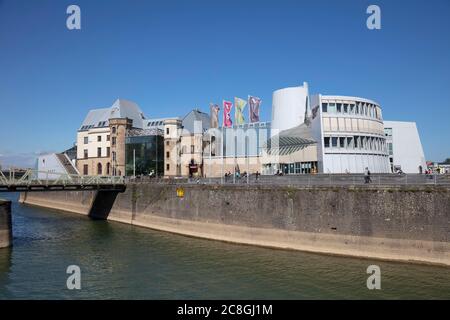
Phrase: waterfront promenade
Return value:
(310, 180)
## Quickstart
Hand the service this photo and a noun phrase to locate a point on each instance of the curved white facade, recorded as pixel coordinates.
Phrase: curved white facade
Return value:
(350, 135)
(289, 106)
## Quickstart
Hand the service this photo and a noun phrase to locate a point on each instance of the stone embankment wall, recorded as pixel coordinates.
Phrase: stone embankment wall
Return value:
(396, 223)
(5, 224)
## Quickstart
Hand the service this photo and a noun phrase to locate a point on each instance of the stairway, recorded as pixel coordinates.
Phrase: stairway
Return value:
(66, 163)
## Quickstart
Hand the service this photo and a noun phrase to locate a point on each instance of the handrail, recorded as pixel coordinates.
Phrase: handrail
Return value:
(47, 178)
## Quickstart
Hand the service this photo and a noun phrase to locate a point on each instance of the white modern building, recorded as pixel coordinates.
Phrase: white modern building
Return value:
(350, 134)
(289, 108)
(52, 166)
(404, 147)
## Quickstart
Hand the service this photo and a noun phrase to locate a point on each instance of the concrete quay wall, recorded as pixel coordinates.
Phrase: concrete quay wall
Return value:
(5, 224)
(395, 223)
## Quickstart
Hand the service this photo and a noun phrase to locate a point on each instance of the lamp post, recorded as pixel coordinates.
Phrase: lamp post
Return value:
(134, 163)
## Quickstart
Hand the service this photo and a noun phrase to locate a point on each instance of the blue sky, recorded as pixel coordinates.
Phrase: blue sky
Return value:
(172, 56)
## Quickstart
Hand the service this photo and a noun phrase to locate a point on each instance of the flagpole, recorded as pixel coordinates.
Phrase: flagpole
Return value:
(221, 140)
(234, 142)
(210, 149)
(246, 154)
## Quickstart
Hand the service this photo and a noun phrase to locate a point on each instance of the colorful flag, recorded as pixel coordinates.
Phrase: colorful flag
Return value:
(227, 106)
(214, 114)
(254, 104)
(239, 105)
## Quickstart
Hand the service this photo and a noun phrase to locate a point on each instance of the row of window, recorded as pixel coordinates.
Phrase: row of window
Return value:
(99, 169)
(99, 139)
(351, 124)
(155, 123)
(99, 153)
(100, 124)
(355, 143)
(359, 108)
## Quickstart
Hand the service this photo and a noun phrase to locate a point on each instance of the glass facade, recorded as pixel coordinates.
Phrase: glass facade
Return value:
(299, 167)
(148, 152)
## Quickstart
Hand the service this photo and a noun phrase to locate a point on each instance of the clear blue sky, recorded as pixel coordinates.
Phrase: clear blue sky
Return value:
(172, 56)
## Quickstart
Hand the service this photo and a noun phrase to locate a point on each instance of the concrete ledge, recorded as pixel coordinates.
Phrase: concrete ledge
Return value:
(365, 247)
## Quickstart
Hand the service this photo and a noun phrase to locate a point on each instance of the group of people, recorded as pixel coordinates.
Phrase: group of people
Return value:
(240, 176)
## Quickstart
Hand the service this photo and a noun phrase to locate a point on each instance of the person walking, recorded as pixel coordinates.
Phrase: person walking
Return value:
(257, 176)
(366, 175)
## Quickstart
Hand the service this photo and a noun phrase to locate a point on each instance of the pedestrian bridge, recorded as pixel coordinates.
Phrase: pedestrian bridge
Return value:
(33, 180)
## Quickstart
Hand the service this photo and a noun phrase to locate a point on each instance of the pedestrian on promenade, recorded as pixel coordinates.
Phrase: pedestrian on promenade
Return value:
(366, 175)
(257, 175)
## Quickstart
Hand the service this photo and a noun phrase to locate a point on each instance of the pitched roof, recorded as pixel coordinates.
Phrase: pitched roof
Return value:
(98, 118)
(191, 118)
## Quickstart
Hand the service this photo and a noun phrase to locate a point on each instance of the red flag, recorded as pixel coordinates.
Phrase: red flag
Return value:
(227, 106)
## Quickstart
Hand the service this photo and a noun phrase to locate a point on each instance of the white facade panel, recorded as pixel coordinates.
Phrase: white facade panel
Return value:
(406, 146)
(289, 107)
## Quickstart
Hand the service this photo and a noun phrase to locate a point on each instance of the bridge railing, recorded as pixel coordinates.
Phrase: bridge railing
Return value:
(49, 178)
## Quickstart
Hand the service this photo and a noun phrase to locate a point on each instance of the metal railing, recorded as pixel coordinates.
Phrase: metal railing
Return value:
(309, 180)
(48, 178)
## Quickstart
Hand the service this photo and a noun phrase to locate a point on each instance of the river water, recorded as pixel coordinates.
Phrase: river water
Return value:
(120, 261)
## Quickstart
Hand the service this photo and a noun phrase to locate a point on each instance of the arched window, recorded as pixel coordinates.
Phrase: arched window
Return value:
(213, 146)
(99, 169)
(108, 169)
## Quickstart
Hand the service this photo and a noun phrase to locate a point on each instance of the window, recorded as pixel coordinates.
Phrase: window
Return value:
(334, 142)
(332, 108)
(167, 143)
(350, 142)
(324, 107)
(341, 142)
(108, 137)
(345, 108)
(391, 151)
(167, 132)
(352, 109)
(167, 167)
(85, 169)
(357, 142)
(113, 141)
(99, 152)
(99, 138)
(85, 152)
(326, 142)
(388, 132)
(167, 154)
(339, 107)
(108, 169)
(99, 169)
(113, 130)
(114, 156)
(86, 140)
(192, 149)
(108, 151)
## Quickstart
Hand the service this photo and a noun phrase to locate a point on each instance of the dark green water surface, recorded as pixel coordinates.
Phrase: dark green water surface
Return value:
(120, 261)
